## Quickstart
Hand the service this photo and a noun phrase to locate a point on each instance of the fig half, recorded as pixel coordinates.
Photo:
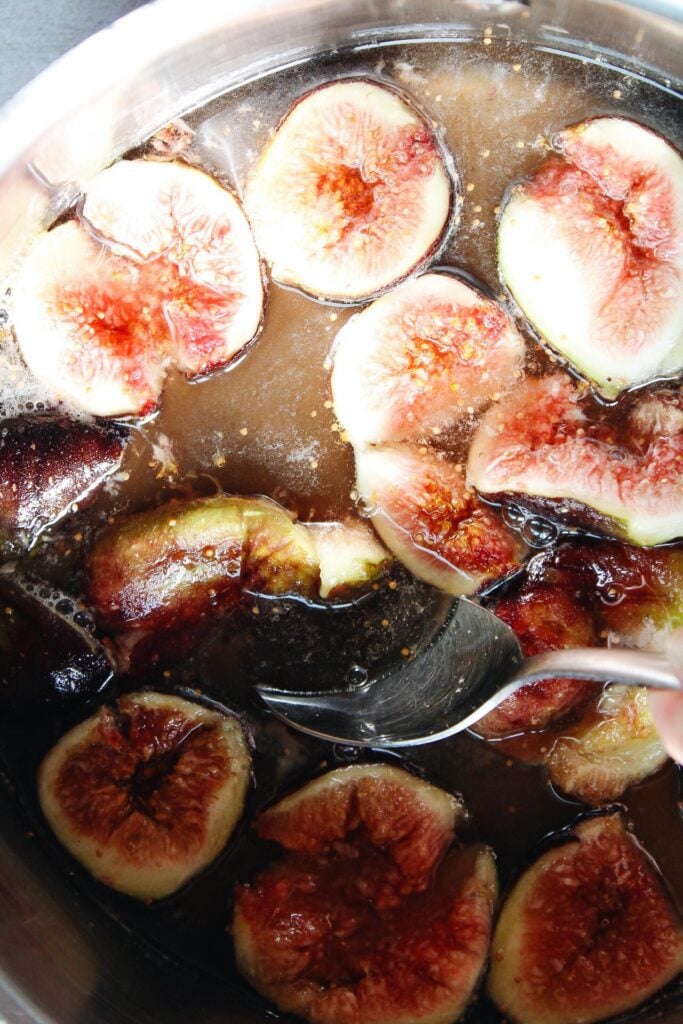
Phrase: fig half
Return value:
(587, 932)
(147, 793)
(48, 464)
(424, 512)
(351, 193)
(539, 446)
(171, 568)
(613, 748)
(592, 250)
(367, 918)
(423, 357)
(160, 271)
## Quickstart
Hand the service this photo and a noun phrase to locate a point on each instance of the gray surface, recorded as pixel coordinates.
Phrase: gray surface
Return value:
(33, 33)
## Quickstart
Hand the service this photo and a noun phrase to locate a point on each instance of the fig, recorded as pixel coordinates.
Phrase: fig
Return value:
(427, 516)
(161, 270)
(368, 917)
(544, 618)
(616, 747)
(351, 194)
(169, 569)
(147, 793)
(349, 556)
(540, 447)
(421, 358)
(587, 931)
(49, 658)
(592, 250)
(48, 464)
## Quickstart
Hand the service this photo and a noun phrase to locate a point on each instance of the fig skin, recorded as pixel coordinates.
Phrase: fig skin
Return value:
(587, 932)
(616, 747)
(544, 618)
(160, 270)
(48, 464)
(539, 448)
(47, 660)
(592, 250)
(421, 358)
(159, 578)
(147, 794)
(427, 516)
(352, 192)
(368, 917)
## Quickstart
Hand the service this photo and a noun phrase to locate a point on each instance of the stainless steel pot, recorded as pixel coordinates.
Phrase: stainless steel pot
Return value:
(61, 960)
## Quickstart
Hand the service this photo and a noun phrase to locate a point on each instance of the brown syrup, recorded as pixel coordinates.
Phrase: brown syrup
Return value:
(266, 426)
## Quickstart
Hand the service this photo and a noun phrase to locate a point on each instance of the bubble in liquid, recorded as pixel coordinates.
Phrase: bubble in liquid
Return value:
(538, 532)
(514, 516)
(356, 676)
(348, 755)
(64, 606)
(611, 594)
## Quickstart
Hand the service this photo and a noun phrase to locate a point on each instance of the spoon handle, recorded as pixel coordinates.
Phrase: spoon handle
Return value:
(611, 665)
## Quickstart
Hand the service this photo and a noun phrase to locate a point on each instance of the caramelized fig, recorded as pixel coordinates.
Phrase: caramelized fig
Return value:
(147, 793)
(159, 577)
(544, 618)
(161, 270)
(537, 445)
(48, 656)
(367, 918)
(423, 511)
(592, 250)
(612, 748)
(351, 193)
(587, 932)
(421, 358)
(49, 464)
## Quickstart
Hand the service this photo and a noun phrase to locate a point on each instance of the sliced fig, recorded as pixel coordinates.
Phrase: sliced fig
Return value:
(349, 555)
(587, 932)
(146, 794)
(48, 464)
(539, 446)
(351, 193)
(367, 918)
(162, 271)
(611, 749)
(420, 358)
(544, 618)
(592, 250)
(423, 511)
(48, 656)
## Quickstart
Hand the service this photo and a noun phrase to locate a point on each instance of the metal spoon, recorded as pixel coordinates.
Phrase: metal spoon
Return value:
(472, 664)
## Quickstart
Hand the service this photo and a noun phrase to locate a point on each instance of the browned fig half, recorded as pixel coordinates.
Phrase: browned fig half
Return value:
(424, 512)
(172, 570)
(592, 250)
(423, 357)
(351, 193)
(613, 747)
(160, 271)
(367, 918)
(544, 618)
(48, 465)
(147, 793)
(587, 932)
(539, 445)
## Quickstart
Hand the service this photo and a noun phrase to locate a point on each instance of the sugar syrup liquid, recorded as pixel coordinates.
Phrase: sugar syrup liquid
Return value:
(266, 426)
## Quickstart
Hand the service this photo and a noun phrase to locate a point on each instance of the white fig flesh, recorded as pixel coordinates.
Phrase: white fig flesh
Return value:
(351, 194)
(422, 357)
(146, 795)
(160, 271)
(427, 516)
(538, 443)
(586, 933)
(591, 248)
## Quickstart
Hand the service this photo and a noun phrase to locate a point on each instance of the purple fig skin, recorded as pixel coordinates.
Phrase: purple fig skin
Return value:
(48, 464)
